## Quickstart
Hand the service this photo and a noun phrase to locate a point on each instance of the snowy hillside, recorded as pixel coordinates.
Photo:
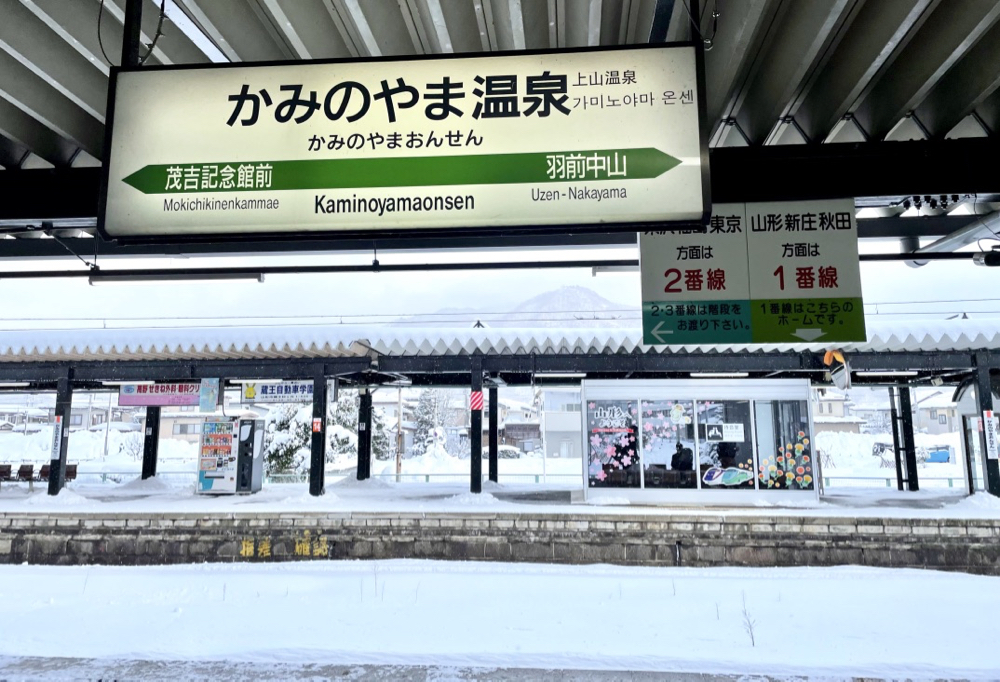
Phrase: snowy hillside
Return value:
(574, 306)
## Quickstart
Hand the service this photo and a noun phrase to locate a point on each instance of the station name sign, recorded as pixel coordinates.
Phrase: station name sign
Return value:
(594, 137)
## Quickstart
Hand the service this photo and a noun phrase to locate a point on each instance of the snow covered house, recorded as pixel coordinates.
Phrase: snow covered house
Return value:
(936, 413)
(832, 412)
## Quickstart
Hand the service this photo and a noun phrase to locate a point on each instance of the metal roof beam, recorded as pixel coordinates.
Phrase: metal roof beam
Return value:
(181, 42)
(12, 154)
(876, 35)
(345, 27)
(438, 29)
(33, 136)
(30, 93)
(557, 23)
(414, 26)
(484, 22)
(939, 43)
(312, 31)
(796, 45)
(508, 24)
(26, 38)
(275, 11)
(988, 114)
(974, 78)
(241, 30)
(742, 26)
(594, 22)
(663, 15)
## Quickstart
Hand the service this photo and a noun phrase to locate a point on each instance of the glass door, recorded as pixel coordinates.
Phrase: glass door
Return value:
(973, 453)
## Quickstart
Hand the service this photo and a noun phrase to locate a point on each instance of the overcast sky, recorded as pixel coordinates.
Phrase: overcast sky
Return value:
(25, 302)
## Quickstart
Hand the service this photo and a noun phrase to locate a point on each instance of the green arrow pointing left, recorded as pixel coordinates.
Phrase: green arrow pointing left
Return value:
(477, 169)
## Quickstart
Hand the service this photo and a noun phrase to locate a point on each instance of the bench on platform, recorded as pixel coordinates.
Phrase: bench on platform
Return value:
(26, 472)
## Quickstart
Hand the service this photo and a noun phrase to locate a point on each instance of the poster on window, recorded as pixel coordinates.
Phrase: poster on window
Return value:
(667, 436)
(725, 455)
(784, 445)
(613, 450)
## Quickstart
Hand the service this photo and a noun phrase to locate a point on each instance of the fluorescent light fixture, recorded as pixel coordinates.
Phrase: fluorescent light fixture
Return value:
(598, 269)
(889, 373)
(240, 382)
(561, 375)
(719, 375)
(127, 383)
(14, 384)
(166, 278)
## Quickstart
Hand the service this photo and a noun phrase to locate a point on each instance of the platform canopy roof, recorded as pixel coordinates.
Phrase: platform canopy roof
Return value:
(350, 341)
(793, 76)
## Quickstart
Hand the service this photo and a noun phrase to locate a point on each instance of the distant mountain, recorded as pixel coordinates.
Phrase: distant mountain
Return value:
(573, 306)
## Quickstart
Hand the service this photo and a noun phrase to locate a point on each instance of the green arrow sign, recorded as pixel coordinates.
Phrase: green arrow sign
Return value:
(483, 169)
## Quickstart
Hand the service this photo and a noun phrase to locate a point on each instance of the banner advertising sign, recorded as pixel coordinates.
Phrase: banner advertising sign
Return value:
(208, 396)
(761, 273)
(990, 433)
(596, 137)
(282, 392)
(57, 428)
(159, 395)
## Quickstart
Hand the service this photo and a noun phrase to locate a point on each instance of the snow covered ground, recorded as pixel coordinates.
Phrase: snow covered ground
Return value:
(346, 494)
(783, 621)
(847, 460)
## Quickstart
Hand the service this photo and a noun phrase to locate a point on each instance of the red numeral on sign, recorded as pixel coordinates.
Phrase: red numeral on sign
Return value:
(780, 274)
(672, 287)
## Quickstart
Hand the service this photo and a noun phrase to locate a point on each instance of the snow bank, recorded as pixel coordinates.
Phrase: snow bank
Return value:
(473, 499)
(829, 623)
(150, 485)
(65, 498)
(979, 501)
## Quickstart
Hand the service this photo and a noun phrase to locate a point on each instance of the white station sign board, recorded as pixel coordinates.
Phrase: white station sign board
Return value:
(591, 137)
(760, 273)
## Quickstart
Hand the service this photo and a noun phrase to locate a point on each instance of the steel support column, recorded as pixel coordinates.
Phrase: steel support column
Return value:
(133, 34)
(317, 460)
(476, 431)
(896, 449)
(64, 408)
(984, 391)
(494, 435)
(909, 444)
(365, 435)
(150, 442)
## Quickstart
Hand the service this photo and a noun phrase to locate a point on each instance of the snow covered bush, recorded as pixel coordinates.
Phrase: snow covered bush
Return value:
(130, 443)
(429, 416)
(342, 429)
(287, 438)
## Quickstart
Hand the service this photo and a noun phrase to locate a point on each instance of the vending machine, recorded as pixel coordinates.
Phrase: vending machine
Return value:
(231, 459)
(250, 456)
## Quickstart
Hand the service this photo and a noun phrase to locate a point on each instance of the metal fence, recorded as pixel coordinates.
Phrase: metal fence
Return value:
(181, 477)
(890, 482)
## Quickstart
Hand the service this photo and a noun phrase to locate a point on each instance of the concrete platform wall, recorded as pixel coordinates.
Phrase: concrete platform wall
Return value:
(137, 539)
